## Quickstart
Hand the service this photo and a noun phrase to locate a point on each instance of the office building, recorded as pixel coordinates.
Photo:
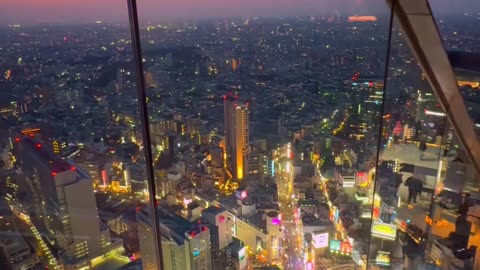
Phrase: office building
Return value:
(60, 190)
(222, 226)
(261, 233)
(185, 244)
(236, 135)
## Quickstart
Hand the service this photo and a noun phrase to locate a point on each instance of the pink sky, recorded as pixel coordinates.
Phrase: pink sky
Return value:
(116, 10)
(21, 11)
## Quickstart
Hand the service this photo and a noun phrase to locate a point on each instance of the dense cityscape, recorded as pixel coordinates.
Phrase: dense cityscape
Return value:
(278, 143)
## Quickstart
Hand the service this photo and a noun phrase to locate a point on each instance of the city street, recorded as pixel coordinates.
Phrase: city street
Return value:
(291, 221)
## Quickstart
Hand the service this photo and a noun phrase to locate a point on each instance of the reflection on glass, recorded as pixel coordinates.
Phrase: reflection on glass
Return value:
(425, 183)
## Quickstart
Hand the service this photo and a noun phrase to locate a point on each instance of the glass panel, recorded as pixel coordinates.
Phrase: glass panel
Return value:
(264, 131)
(408, 166)
(458, 197)
(72, 168)
(425, 182)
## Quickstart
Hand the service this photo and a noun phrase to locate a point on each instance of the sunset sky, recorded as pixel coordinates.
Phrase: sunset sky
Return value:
(73, 11)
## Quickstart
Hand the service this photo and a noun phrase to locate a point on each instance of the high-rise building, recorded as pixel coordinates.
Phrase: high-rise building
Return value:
(222, 224)
(185, 244)
(236, 135)
(60, 190)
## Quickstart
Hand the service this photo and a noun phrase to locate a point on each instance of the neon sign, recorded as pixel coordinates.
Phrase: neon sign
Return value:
(384, 230)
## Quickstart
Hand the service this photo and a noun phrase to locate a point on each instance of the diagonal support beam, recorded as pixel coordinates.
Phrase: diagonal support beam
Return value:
(417, 22)
(142, 104)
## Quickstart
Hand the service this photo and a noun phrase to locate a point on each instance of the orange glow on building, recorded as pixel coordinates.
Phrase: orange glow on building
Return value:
(239, 172)
(362, 18)
(236, 136)
(470, 83)
(30, 131)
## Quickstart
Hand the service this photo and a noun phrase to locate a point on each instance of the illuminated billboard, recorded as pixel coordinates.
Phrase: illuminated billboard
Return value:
(339, 247)
(383, 258)
(362, 18)
(275, 221)
(320, 240)
(384, 230)
(186, 202)
(434, 113)
(346, 248)
(242, 194)
(361, 178)
(335, 245)
(242, 258)
(196, 253)
(241, 254)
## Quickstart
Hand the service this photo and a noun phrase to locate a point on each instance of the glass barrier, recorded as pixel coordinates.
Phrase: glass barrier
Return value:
(409, 164)
(264, 133)
(425, 182)
(279, 140)
(458, 189)
(72, 169)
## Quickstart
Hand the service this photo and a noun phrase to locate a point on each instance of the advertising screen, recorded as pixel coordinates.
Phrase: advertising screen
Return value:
(383, 258)
(384, 230)
(320, 240)
(335, 245)
(241, 254)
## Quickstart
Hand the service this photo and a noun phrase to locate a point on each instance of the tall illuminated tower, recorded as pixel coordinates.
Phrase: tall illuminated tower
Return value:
(236, 135)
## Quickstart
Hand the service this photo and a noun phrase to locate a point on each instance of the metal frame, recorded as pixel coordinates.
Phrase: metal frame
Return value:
(415, 18)
(417, 22)
(142, 103)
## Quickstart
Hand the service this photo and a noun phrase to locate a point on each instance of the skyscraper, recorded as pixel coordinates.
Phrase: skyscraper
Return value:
(65, 206)
(236, 135)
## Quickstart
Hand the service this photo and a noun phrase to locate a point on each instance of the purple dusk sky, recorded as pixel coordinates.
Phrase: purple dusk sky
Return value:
(65, 11)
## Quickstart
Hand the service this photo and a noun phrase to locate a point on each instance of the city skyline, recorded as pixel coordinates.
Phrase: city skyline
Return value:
(296, 143)
(113, 11)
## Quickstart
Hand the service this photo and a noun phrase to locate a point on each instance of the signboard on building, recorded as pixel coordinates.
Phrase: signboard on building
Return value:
(337, 246)
(383, 258)
(361, 178)
(320, 240)
(241, 254)
(384, 230)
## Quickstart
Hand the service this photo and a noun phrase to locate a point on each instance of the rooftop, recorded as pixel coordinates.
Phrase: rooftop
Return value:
(214, 210)
(13, 242)
(56, 163)
(178, 228)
